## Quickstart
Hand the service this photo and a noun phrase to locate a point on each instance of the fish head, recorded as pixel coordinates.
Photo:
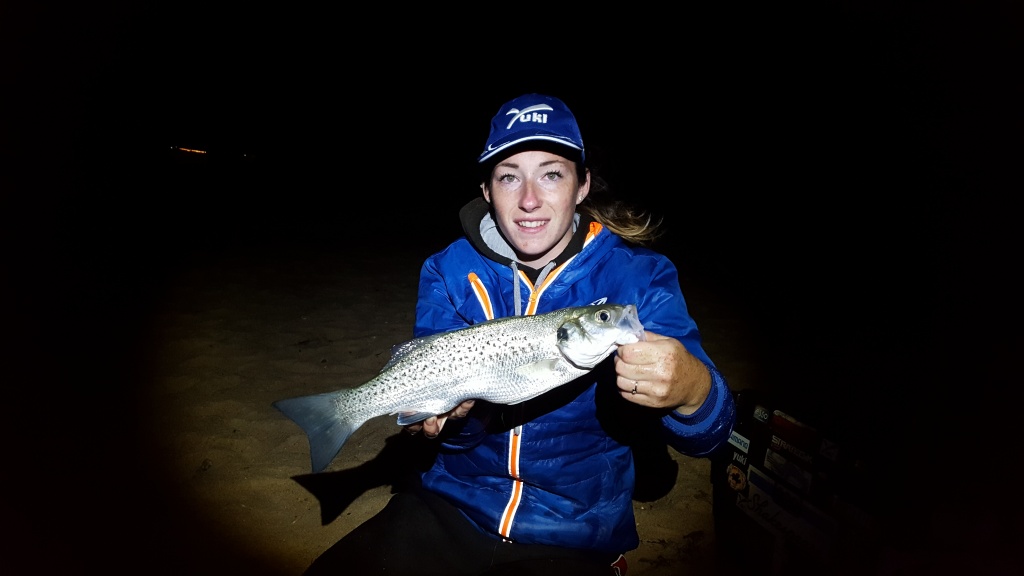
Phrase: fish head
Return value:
(591, 333)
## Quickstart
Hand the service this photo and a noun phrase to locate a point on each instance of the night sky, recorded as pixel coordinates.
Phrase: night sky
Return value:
(851, 123)
(845, 172)
(822, 161)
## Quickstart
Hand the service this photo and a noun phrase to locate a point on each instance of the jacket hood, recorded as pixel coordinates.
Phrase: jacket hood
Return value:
(482, 232)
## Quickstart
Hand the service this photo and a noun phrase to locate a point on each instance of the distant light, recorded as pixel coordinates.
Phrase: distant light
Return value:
(189, 150)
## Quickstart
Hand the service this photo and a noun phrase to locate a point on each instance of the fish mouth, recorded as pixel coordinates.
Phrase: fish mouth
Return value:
(591, 336)
(630, 324)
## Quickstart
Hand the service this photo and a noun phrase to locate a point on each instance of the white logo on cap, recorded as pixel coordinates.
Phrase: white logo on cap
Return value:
(529, 114)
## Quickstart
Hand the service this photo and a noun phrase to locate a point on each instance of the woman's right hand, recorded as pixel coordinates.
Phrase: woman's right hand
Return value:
(431, 427)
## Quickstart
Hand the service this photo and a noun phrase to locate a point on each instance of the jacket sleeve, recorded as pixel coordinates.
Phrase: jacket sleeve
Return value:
(463, 434)
(664, 311)
(435, 311)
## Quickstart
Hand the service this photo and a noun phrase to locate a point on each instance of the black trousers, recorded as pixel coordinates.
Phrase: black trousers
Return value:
(419, 534)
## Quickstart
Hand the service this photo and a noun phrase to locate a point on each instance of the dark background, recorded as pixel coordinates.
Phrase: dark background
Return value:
(843, 173)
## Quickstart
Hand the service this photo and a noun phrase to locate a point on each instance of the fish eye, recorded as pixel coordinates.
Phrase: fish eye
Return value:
(603, 315)
(562, 334)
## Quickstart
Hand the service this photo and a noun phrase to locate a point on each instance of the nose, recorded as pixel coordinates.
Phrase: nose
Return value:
(529, 200)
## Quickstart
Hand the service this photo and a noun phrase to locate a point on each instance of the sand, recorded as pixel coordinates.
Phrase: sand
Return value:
(233, 334)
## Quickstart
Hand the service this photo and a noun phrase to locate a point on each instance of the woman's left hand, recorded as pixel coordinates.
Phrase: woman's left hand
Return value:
(661, 373)
(431, 427)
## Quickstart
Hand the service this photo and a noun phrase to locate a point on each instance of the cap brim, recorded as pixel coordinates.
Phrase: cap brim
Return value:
(514, 141)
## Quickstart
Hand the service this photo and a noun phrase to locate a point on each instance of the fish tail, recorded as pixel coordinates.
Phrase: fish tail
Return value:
(318, 417)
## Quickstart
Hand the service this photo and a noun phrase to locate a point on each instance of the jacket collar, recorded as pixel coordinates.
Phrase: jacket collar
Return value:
(482, 232)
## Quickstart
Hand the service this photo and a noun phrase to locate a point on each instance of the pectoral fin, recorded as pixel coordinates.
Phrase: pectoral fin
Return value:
(538, 370)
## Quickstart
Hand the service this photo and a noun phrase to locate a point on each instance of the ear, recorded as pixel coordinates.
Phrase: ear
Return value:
(487, 193)
(583, 190)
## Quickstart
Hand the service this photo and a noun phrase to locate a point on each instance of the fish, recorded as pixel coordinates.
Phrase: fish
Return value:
(505, 360)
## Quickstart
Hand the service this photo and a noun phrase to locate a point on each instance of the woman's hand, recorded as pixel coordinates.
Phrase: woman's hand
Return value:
(431, 427)
(661, 373)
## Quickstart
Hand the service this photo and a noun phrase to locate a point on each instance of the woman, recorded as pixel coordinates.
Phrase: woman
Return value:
(545, 486)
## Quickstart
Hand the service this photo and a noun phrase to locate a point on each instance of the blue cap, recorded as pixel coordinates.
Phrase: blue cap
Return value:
(533, 117)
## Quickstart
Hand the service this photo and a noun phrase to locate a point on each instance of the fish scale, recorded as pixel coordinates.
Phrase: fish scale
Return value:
(503, 361)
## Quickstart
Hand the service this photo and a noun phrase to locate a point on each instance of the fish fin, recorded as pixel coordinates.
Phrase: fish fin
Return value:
(317, 415)
(541, 369)
(398, 351)
(406, 418)
(536, 370)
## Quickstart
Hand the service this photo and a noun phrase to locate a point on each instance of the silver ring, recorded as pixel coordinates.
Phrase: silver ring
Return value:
(635, 384)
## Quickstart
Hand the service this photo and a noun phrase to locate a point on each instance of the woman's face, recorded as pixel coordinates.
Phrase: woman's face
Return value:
(534, 195)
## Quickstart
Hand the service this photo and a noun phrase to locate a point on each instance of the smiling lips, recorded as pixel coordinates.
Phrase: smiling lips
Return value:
(531, 223)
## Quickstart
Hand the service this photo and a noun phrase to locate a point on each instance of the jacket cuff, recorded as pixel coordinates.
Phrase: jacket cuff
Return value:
(698, 434)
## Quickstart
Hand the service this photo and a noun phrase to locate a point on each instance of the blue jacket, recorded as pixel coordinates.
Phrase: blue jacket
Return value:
(558, 469)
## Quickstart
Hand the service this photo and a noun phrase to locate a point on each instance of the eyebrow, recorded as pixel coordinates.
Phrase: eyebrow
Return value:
(542, 164)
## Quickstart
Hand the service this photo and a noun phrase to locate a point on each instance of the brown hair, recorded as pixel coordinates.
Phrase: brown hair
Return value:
(631, 223)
